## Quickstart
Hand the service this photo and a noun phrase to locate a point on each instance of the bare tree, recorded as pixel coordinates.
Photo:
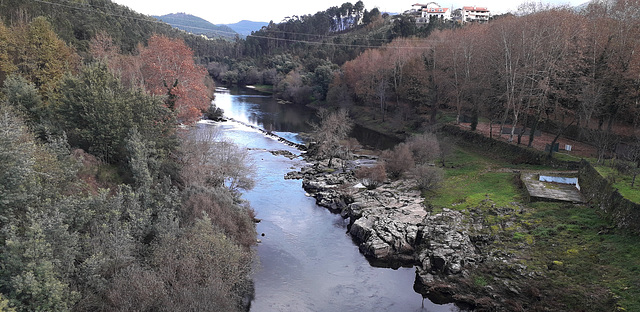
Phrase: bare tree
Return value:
(208, 159)
(424, 147)
(428, 177)
(398, 161)
(332, 129)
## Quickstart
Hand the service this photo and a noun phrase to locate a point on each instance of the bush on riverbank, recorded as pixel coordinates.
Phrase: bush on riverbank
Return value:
(372, 177)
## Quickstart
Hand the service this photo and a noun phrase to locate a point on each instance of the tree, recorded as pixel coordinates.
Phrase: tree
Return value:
(332, 129)
(97, 113)
(24, 97)
(398, 161)
(19, 184)
(424, 147)
(428, 177)
(29, 271)
(209, 161)
(7, 52)
(202, 269)
(42, 58)
(368, 77)
(404, 26)
(168, 69)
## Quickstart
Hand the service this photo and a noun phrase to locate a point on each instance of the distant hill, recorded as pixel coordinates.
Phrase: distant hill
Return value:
(245, 27)
(197, 25)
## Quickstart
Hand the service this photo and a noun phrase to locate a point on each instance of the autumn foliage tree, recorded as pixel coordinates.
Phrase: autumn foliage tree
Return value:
(168, 69)
(41, 57)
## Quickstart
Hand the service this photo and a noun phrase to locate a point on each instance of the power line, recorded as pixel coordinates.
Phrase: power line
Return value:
(343, 44)
(92, 9)
(337, 35)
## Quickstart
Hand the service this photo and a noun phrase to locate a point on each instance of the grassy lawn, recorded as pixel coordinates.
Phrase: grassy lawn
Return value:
(582, 253)
(585, 263)
(622, 182)
(471, 180)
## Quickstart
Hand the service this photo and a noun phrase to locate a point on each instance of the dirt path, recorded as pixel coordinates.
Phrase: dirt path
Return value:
(578, 149)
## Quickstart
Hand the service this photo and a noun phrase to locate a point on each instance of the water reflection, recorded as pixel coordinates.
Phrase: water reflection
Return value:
(289, 121)
(307, 260)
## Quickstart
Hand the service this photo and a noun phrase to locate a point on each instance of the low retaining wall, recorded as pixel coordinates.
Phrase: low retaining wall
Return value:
(624, 213)
(517, 154)
(598, 191)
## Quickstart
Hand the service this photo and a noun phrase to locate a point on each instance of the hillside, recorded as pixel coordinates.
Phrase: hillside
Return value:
(197, 25)
(77, 23)
(245, 27)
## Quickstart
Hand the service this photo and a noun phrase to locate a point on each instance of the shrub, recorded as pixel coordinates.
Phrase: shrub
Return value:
(398, 161)
(372, 177)
(428, 177)
(233, 220)
(215, 113)
(424, 147)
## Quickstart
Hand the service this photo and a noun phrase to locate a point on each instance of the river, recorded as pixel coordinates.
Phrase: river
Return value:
(308, 262)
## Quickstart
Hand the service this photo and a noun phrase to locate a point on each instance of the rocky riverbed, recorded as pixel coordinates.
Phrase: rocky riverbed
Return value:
(393, 227)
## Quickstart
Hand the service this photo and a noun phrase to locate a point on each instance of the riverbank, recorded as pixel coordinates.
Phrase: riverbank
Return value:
(475, 242)
(392, 228)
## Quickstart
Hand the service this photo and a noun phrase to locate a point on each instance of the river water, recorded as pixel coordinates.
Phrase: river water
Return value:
(308, 262)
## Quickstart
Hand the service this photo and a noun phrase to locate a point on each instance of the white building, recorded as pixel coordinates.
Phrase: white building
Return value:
(440, 13)
(475, 14)
(426, 11)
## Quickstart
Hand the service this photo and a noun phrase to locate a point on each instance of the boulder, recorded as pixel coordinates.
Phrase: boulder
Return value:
(447, 245)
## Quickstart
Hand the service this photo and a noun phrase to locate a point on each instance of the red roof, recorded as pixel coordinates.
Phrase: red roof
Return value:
(470, 8)
(436, 10)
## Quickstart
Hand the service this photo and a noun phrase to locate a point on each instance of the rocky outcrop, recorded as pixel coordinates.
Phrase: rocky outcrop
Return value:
(447, 246)
(392, 227)
(390, 223)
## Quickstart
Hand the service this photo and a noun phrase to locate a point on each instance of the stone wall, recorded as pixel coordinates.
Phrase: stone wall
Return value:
(517, 154)
(598, 191)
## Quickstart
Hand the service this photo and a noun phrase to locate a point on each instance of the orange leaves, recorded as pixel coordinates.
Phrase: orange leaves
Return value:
(165, 67)
(168, 69)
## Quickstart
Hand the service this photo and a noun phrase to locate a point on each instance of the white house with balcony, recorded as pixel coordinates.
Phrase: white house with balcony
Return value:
(440, 13)
(426, 11)
(475, 14)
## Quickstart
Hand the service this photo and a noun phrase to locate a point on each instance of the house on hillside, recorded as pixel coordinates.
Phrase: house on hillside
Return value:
(424, 12)
(440, 13)
(475, 14)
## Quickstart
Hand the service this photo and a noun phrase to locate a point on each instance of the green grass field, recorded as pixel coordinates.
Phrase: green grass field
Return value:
(587, 263)
(622, 182)
(471, 179)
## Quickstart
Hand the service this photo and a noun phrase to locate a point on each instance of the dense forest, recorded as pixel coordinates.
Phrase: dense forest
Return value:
(107, 203)
(562, 70)
(565, 72)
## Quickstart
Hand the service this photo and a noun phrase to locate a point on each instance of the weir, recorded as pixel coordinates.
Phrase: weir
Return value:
(300, 147)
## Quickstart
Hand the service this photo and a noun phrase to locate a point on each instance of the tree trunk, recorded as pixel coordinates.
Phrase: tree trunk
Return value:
(513, 127)
(491, 129)
(474, 119)
(562, 130)
(534, 126)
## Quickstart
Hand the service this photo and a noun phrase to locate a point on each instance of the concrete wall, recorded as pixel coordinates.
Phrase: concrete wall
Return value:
(597, 191)
(517, 154)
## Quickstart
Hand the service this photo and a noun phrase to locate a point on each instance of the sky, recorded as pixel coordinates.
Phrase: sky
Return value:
(232, 11)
